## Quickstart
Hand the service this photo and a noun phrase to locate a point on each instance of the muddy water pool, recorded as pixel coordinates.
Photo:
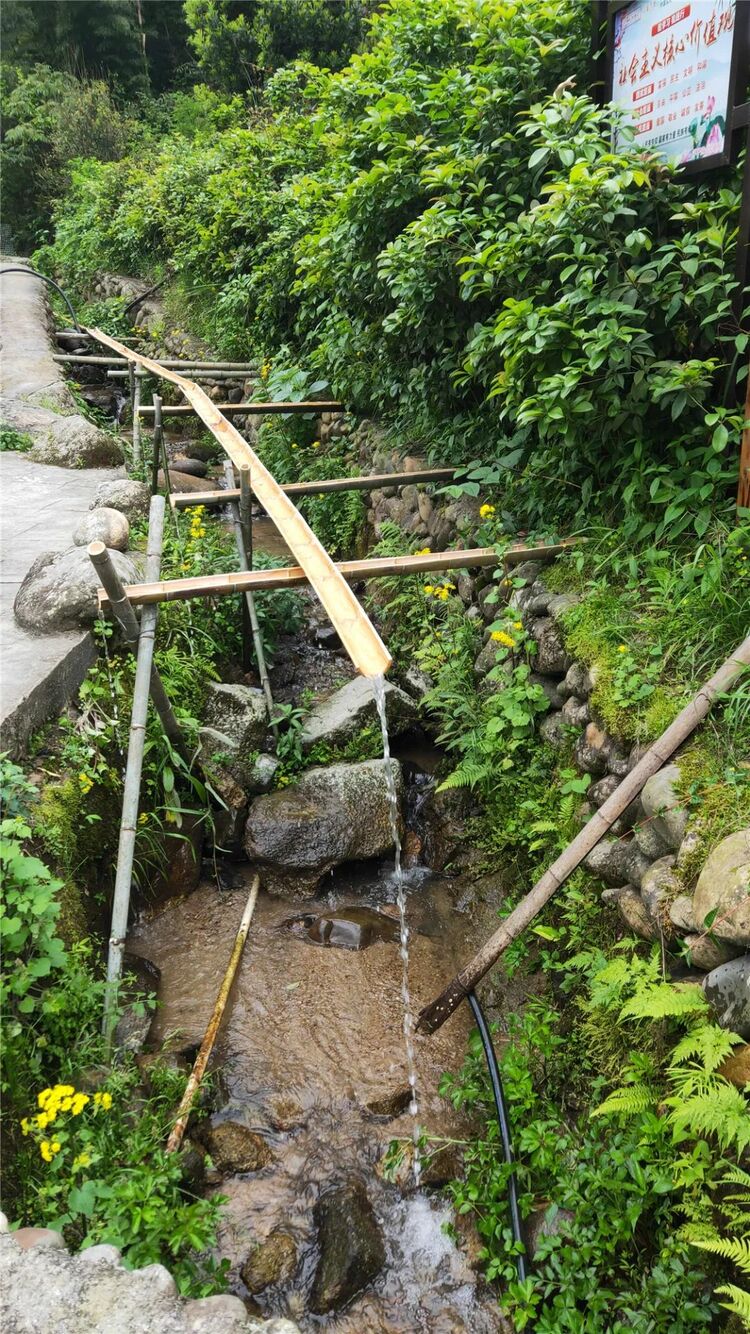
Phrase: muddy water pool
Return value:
(310, 1049)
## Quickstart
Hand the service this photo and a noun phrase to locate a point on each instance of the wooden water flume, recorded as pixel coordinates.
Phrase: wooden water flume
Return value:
(355, 630)
(434, 1015)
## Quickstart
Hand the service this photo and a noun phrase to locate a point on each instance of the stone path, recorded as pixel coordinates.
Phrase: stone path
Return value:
(39, 508)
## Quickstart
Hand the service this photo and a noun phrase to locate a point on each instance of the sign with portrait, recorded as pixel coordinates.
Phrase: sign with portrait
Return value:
(672, 73)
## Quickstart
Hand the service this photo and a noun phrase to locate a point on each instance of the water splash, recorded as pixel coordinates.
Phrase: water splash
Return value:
(378, 688)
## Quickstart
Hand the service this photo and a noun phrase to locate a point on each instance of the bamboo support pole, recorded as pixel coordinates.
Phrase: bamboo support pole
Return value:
(743, 485)
(356, 632)
(158, 449)
(246, 527)
(289, 576)
(320, 488)
(122, 610)
(434, 1015)
(213, 374)
(132, 783)
(187, 409)
(136, 418)
(201, 1060)
(173, 364)
(249, 602)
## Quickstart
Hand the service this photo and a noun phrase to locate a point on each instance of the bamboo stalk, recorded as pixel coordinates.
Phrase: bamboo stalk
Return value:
(201, 1060)
(249, 602)
(743, 484)
(356, 632)
(122, 610)
(372, 483)
(136, 418)
(289, 576)
(213, 374)
(132, 783)
(173, 364)
(434, 1015)
(187, 409)
(157, 448)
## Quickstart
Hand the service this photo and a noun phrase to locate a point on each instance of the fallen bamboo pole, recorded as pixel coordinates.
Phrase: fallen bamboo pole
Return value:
(186, 409)
(243, 544)
(372, 483)
(201, 1060)
(214, 374)
(288, 576)
(356, 632)
(122, 609)
(434, 1015)
(132, 783)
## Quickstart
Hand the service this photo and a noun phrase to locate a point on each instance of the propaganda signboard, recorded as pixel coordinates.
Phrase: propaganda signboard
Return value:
(673, 72)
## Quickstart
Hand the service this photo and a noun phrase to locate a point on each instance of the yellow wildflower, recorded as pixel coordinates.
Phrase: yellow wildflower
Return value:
(24, 1125)
(82, 1160)
(55, 1146)
(622, 648)
(103, 1100)
(500, 637)
(518, 625)
(485, 511)
(42, 1097)
(428, 589)
(78, 1103)
(43, 1120)
(85, 782)
(143, 817)
(46, 1151)
(423, 551)
(66, 1104)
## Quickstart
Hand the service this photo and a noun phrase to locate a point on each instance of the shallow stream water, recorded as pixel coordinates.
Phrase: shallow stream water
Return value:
(312, 1035)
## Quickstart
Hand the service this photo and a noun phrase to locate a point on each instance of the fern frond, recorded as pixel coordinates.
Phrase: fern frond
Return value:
(736, 1249)
(711, 1044)
(629, 1101)
(721, 1111)
(665, 1001)
(736, 1176)
(739, 1303)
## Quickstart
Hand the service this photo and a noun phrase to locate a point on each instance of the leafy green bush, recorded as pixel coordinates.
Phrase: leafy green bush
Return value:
(13, 441)
(237, 43)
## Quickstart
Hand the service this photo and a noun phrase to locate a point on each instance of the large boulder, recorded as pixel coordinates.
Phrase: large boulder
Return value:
(72, 442)
(59, 591)
(727, 991)
(723, 890)
(131, 498)
(351, 1247)
(337, 719)
(238, 712)
(103, 524)
(663, 805)
(331, 815)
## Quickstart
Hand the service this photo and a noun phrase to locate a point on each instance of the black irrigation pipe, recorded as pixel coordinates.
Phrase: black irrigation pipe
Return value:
(34, 274)
(502, 1120)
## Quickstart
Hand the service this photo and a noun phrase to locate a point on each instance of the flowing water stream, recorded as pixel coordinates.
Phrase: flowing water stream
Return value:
(378, 687)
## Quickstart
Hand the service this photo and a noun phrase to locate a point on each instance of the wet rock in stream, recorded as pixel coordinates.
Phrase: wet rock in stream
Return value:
(335, 720)
(235, 1148)
(349, 929)
(271, 1261)
(352, 1252)
(330, 816)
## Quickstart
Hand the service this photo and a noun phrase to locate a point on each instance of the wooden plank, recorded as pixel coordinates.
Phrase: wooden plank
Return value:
(287, 576)
(186, 409)
(186, 500)
(355, 630)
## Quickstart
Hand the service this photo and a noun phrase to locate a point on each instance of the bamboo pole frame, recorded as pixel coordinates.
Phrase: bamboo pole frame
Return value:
(289, 576)
(434, 1015)
(133, 771)
(171, 364)
(356, 632)
(122, 609)
(249, 409)
(207, 1045)
(374, 482)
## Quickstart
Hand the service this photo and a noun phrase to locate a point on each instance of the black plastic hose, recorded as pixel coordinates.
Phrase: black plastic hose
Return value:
(34, 274)
(502, 1121)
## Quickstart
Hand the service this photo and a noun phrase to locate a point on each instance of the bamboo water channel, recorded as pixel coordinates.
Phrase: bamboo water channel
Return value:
(370, 656)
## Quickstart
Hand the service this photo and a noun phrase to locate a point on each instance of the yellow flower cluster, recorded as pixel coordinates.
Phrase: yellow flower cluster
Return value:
(485, 511)
(265, 370)
(85, 781)
(197, 527)
(423, 551)
(61, 1098)
(440, 591)
(48, 1149)
(500, 637)
(622, 648)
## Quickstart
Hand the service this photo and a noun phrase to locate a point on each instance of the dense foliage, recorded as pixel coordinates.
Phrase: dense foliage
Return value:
(443, 231)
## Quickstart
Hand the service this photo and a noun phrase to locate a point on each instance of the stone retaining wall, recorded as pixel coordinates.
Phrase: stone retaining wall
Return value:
(639, 864)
